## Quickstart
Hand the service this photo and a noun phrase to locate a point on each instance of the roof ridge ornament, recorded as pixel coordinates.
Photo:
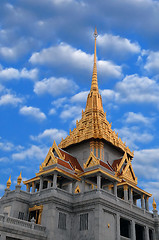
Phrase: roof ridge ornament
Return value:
(94, 85)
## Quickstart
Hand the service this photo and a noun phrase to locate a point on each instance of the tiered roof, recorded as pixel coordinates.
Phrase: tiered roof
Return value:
(93, 123)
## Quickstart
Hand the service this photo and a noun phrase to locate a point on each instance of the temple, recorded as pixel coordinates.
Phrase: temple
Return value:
(86, 187)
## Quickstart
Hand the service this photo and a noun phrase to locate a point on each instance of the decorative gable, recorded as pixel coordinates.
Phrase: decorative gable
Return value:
(92, 161)
(52, 156)
(125, 170)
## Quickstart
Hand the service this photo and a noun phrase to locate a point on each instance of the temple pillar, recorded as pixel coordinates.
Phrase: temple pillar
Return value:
(70, 187)
(49, 184)
(41, 183)
(147, 203)
(133, 231)
(131, 195)
(33, 187)
(146, 232)
(142, 201)
(115, 189)
(135, 202)
(2, 236)
(83, 186)
(117, 227)
(125, 192)
(98, 182)
(27, 187)
(55, 180)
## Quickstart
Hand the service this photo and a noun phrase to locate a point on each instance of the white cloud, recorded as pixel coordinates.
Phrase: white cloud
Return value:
(131, 117)
(80, 97)
(70, 58)
(2, 187)
(12, 73)
(132, 136)
(117, 46)
(152, 62)
(32, 112)
(55, 86)
(6, 146)
(137, 89)
(149, 156)
(4, 159)
(10, 99)
(71, 112)
(60, 102)
(52, 111)
(32, 153)
(50, 135)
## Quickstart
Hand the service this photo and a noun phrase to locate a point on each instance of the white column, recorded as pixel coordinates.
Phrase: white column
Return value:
(115, 189)
(41, 183)
(33, 187)
(143, 201)
(49, 184)
(3, 236)
(83, 185)
(55, 180)
(131, 194)
(133, 231)
(118, 226)
(98, 182)
(146, 233)
(125, 192)
(147, 203)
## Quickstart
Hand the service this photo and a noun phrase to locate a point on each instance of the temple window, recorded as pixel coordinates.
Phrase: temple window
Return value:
(21, 215)
(139, 232)
(84, 221)
(124, 228)
(35, 212)
(62, 221)
(150, 234)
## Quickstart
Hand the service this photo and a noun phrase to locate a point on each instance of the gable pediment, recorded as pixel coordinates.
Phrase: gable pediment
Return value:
(125, 170)
(52, 156)
(92, 161)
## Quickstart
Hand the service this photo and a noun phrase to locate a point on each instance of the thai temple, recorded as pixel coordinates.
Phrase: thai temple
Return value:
(86, 188)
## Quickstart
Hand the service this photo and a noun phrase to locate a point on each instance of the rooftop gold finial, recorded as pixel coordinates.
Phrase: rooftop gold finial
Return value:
(19, 179)
(9, 182)
(94, 86)
(154, 205)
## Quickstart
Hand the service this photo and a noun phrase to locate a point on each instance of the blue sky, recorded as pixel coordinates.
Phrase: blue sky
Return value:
(46, 63)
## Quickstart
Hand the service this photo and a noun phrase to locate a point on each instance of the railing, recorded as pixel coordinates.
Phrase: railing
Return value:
(22, 223)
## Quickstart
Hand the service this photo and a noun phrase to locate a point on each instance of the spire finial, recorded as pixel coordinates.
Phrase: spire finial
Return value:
(9, 182)
(19, 179)
(154, 205)
(94, 86)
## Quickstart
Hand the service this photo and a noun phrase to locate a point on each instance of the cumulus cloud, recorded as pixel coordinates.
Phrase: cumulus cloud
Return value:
(4, 159)
(50, 135)
(80, 97)
(134, 88)
(152, 62)
(71, 112)
(2, 187)
(132, 136)
(6, 146)
(32, 153)
(12, 73)
(10, 99)
(55, 86)
(52, 111)
(131, 117)
(117, 46)
(32, 112)
(59, 102)
(57, 56)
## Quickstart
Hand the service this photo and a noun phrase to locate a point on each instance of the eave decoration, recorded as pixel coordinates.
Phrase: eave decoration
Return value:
(125, 170)
(92, 161)
(51, 158)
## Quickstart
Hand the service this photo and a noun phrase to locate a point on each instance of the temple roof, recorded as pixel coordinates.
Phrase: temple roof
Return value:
(93, 124)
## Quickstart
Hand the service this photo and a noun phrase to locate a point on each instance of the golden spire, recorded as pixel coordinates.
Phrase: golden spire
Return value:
(154, 205)
(94, 86)
(19, 179)
(9, 182)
